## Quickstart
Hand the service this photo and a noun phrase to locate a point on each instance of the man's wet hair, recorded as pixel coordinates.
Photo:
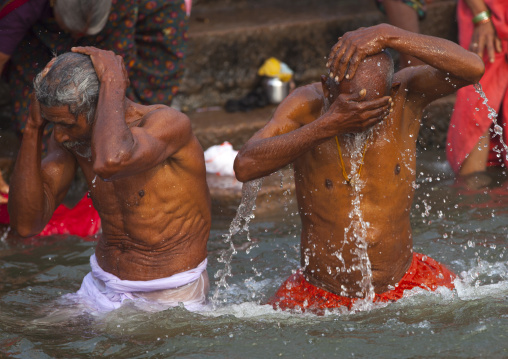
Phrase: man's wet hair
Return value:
(71, 81)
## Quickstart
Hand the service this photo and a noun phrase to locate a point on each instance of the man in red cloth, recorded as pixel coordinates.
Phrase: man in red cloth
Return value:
(352, 142)
(473, 143)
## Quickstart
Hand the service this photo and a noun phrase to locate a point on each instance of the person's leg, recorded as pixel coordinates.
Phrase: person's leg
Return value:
(476, 161)
(401, 15)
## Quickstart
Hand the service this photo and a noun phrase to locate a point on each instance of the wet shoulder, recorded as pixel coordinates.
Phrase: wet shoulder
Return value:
(311, 92)
(401, 81)
(156, 113)
(413, 83)
(303, 105)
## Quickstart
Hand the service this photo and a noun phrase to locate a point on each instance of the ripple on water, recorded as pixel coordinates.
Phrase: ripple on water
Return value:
(471, 319)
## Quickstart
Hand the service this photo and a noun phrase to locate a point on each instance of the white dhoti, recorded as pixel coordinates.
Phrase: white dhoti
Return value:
(102, 291)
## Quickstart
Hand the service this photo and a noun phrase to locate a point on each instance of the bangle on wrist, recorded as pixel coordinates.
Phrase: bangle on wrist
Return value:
(481, 22)
(481, 18)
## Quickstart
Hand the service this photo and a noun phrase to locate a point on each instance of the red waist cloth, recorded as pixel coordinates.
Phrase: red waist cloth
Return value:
(82, 220)
(470, 118)
(297, 293)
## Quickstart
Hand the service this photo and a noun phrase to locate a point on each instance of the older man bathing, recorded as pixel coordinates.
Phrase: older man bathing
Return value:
(146, 175)
(355, 192)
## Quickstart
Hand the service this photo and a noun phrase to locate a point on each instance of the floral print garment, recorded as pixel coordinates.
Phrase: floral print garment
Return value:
(151, 36)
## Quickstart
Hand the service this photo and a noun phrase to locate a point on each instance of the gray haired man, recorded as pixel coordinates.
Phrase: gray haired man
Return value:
(146, 174)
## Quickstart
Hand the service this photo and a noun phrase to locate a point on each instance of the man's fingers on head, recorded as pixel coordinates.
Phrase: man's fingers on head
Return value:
(81, 49)
(380, 103)
(334, 64)
(379, 112)
(331, 55)
(344, 63)
(358, 96)
(48, 66)
(354, 62)
(34, 101)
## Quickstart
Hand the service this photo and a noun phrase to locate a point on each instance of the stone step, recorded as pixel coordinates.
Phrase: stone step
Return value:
(229, 41)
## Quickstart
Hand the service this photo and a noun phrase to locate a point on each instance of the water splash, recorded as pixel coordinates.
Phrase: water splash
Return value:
(243, 213)
(357, 229)
(3, 236)
(498, 130)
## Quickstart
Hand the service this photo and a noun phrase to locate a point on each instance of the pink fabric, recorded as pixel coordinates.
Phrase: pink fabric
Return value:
(470, 116)
(4, 214)
(104, 291)
(499, 16)
(188, 6)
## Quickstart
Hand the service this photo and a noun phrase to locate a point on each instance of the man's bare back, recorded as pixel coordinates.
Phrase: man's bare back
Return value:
(367, 205)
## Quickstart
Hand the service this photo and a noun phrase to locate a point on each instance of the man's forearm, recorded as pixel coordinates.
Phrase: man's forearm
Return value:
(261, 157)
(439, 53)
(28, 205)
(112, 139)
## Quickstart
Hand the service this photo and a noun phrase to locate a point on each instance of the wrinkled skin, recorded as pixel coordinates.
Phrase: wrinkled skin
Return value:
(145, 172)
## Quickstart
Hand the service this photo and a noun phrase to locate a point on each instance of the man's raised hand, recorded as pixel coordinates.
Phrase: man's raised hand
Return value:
(108, 66)
(352, 48)
(35, 119)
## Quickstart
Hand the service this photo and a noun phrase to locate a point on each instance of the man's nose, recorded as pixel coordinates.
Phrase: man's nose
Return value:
(60, 135)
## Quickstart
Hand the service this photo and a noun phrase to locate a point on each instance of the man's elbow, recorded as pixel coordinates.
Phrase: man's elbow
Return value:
(477, 71)
(104, 172)
(241, 167)
(24, 231)
(16, 224)
(108, 168)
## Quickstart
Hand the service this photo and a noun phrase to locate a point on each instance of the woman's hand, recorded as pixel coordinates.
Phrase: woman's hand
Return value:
(485, 38)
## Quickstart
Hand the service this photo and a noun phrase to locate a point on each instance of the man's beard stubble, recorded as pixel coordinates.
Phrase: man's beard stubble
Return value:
(82, 149)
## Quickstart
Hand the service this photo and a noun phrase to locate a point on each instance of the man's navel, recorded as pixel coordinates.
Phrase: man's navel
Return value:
(397, 169)
(328, 183)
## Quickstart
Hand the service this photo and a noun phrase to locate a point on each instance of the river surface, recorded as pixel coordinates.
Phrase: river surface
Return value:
(465, 229)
